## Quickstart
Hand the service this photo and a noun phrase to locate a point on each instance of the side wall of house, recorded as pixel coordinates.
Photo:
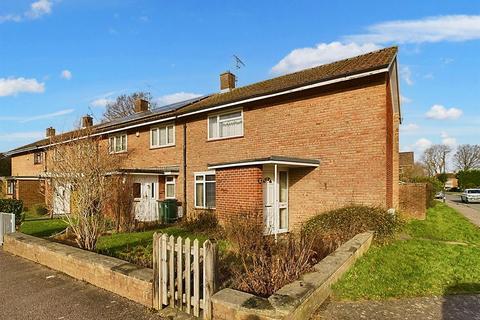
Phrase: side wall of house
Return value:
(22, 165)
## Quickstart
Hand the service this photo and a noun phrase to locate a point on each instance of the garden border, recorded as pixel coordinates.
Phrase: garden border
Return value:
(299, 299)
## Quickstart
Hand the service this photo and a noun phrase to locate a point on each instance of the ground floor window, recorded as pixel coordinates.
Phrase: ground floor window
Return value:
(10, 187)
(205, 190)
(170, 187)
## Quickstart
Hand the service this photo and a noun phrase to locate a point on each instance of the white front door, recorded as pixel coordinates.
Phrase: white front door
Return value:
(275, 199)
(61, 200)
(146, 206)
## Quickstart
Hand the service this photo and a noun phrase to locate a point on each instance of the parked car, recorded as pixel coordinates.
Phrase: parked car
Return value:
(470, 195)
(440, 195)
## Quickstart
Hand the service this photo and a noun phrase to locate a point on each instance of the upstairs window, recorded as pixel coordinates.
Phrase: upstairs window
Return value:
(10, 187)
(38, 158)
(162, 136)
(205, 190)
(225, 125)
(118, 143)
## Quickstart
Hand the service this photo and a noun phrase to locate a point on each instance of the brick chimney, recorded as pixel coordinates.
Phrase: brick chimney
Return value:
(141, 105)
(50, 132)
(227, 81)
(87, 121)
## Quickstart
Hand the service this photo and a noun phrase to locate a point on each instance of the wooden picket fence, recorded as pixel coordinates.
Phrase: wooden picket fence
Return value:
(184, 274)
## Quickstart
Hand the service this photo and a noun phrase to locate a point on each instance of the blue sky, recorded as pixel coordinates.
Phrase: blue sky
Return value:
(60, 59)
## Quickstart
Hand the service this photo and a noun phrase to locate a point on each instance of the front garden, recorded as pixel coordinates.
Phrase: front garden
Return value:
(437, 256)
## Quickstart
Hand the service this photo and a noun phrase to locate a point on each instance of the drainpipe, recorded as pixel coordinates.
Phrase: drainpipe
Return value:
(275, 203)
(185, 169)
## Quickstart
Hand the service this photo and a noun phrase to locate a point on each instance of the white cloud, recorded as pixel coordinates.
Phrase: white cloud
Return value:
(405, 100)
(66, 74)
(410, 127)
(406, 75)
(37, 9)
(320, 54)
(439, 112)
(447, 140)
(13, 86)
(38, 117)
(176, 97)
(101, 102)
(422, 144)
(429, 29)
(28, 135)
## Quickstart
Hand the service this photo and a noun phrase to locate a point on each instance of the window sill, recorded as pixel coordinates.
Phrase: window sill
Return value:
(226, 138)
(119, 152)
(162, 147)
(204, 208)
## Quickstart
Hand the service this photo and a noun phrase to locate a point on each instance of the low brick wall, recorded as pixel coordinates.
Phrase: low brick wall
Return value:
(115, 275)
(297, 300)
(413, 200)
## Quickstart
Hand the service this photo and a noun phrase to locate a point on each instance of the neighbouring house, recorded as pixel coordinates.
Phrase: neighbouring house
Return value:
(278, 151)
(406, 162)
(452, 181)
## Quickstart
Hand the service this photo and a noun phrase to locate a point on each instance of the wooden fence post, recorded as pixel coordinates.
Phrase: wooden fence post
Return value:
(180, 272)
(163, 269)
(196, 279)
(209, 278)
(156, 303)
(188, 272)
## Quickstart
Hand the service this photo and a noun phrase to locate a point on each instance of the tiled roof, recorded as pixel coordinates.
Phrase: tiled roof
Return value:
(356, 65)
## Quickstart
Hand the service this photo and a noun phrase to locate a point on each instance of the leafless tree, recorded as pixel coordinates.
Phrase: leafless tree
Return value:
(121, 203)
(82, 166)
(434, 159)
(467, 157)
(124, 105)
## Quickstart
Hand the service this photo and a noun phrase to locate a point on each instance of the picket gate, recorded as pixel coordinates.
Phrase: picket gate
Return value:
(7, 224)
(184, 274)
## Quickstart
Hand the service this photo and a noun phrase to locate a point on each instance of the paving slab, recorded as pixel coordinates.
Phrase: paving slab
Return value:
(34, 292)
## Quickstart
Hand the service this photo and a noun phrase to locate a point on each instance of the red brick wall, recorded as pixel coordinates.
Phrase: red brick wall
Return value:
(413, 200)
(239, 194)
(30, 192)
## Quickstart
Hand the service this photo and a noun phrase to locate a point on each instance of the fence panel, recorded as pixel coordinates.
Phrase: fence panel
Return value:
(7, 224)
(184, 274)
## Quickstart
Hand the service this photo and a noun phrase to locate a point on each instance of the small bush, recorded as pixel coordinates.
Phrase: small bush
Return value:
(263, 264)
(39, 209)
(13, 206)
(203, 222)
(338, 226)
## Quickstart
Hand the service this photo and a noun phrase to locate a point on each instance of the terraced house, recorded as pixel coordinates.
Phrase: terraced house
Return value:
(277, 151)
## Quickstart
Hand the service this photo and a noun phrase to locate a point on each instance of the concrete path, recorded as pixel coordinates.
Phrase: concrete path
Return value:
(459, 307)
(31, 291)
(471, 210)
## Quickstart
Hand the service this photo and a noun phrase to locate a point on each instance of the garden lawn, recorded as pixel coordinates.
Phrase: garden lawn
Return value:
(442, 257)
(137, 247)
(43, 228)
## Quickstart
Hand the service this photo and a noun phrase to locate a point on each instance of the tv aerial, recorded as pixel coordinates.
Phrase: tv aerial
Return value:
(238, 62)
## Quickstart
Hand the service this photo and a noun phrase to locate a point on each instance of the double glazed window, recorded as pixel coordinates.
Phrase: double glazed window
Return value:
(37, 157)
(162, 136)
(118, 143)
(170, 187)
(10, 187)
(205, 190)
(225, 125)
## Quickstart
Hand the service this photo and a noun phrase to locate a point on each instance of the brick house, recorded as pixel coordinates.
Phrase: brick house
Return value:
(280, 151)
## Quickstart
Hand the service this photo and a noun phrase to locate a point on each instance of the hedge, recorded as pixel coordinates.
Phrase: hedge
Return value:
(13, 206)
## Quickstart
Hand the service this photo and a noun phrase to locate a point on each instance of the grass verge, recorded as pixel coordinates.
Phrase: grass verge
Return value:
(429, 263)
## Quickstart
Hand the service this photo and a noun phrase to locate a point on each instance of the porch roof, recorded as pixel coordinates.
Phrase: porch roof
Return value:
(281, 160)
(151, 171)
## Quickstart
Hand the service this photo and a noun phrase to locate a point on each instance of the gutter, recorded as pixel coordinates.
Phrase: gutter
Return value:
(223, 106)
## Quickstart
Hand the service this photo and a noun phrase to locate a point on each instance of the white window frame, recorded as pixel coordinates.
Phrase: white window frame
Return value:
(10, 187)
(168, 183)
(168, 144)
(204, 182)
(40, 161)
(217, 129)
(114, 138)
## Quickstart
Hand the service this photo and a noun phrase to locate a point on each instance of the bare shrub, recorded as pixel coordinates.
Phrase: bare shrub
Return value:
(264, 264)
(82, 165)
(203, 222)
(121, 203)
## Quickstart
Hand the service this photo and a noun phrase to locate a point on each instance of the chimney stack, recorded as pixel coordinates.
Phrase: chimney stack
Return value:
(141, 105)
(87, 121)
(50, 132)
(227, 81)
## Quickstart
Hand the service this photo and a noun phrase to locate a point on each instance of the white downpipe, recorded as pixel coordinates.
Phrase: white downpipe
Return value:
(275, 202)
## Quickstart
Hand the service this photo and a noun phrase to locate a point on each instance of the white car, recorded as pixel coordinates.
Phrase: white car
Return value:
(470, 195)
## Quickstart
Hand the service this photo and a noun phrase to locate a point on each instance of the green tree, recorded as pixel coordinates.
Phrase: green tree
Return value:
(468, 178)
